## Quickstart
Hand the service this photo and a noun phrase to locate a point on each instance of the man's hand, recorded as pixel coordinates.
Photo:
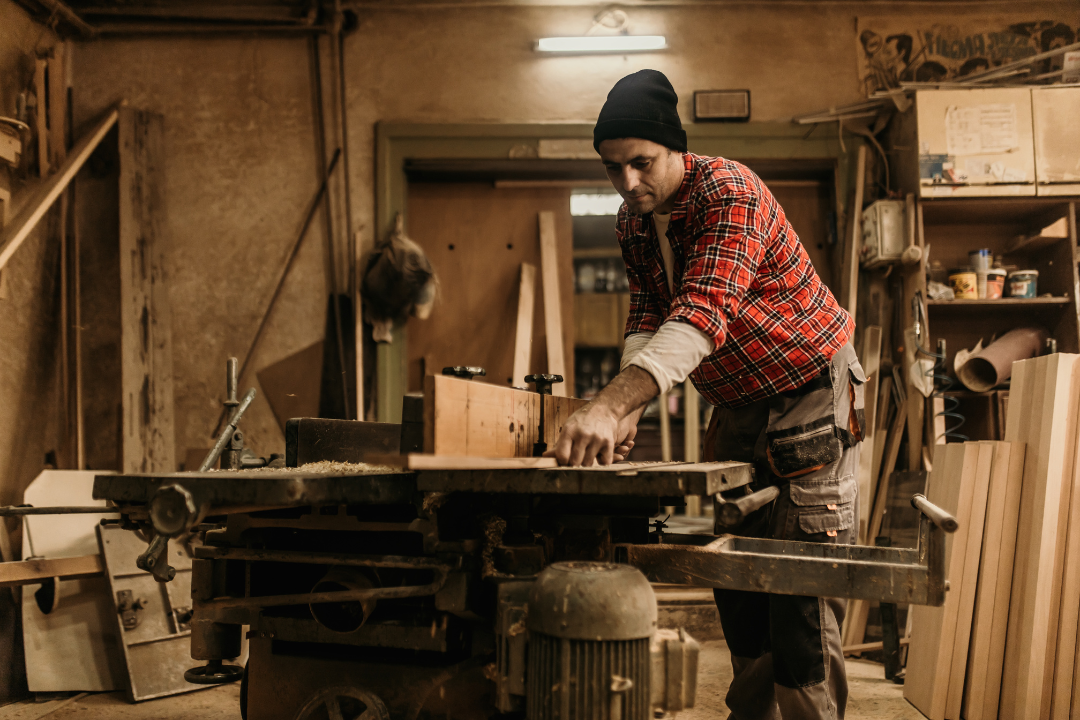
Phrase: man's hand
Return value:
(603, 431)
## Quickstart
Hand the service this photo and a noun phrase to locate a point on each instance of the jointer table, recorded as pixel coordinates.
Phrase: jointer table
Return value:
(394, 577)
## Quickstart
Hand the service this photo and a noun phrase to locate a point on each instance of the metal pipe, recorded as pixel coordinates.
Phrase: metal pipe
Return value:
(227, 433)
(939, 517)
(19, 511)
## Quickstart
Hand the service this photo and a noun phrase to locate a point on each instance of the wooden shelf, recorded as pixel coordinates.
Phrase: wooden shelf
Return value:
(1010, 303)
(598, 253)
(993, 210)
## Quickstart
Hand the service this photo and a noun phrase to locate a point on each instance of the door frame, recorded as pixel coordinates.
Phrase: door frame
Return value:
(396, 142)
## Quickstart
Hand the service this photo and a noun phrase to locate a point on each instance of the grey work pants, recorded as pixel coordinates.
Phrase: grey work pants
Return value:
(785, 649)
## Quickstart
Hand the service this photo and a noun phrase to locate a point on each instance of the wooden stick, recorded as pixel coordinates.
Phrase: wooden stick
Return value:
(40, 119)
(31, 213)
(870, 647)
(691, 439)
(549, 267)
(851, 257)
(665, 429)
(27, 572)
(523, 336)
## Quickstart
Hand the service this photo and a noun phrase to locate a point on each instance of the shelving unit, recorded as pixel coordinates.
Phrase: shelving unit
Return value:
(950, 228)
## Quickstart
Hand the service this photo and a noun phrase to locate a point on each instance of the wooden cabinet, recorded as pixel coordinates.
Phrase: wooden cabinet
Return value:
(600, 319)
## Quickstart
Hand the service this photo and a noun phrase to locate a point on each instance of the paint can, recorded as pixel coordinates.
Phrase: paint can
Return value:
(995, 283)
(981, 259)
(965, 284)
(1024, 283)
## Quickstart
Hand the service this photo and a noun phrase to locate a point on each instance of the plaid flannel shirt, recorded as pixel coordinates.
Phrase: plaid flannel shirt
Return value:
(741, 277)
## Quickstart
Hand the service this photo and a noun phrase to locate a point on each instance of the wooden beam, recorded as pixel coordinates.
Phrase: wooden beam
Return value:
(146, 369)
(57, 111)
(851, 257)
(549, 267)
(524, 329)
(28, 217)
(870, 647)
(421, 461)
(467, 418)
(41, 118)
(27, 572)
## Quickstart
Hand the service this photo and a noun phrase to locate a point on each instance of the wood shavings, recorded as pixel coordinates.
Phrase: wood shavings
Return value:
(326, 467)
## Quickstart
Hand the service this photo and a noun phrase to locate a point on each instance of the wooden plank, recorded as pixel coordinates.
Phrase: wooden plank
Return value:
(41, 118)
(549, 267)
(973, 526)
(468, 418)
(991, 619)
(524, 328)
(665, 429)
(951, 486)
(35, 208)
(27, 572)
(871, 361)
(871, 646)
(146, 377)
(858, 610)
(851, 256)
(1032, 633)
(421, 461)
(57, 111)
(1063, 690)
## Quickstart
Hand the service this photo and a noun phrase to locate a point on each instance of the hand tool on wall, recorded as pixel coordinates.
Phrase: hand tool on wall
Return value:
(543, 385)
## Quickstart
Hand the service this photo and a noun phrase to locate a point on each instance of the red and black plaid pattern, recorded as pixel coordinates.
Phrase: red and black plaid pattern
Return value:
(742, 277)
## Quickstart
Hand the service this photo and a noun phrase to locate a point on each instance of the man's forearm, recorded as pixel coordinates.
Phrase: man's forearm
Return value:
(628, 393)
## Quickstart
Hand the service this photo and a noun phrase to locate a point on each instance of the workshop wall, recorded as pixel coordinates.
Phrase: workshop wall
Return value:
(240, 149)
(29, 336)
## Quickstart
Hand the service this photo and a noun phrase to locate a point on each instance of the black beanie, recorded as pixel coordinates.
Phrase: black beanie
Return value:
(642, 105)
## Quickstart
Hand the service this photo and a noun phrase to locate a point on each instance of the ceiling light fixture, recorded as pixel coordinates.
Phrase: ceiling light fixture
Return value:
(602, 44)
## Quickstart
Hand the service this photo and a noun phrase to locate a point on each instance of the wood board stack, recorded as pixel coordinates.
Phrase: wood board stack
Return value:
(1004, 644)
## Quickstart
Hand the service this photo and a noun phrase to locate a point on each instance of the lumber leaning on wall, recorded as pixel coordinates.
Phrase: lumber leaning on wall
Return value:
(46, 194)
(1043, 404)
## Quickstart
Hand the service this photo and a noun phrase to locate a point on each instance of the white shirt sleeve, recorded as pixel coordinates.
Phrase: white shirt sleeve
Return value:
(670, 355)
(632, 346)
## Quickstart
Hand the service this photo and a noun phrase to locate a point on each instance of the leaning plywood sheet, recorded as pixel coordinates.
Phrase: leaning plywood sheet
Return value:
(477, 419)
(76, 646)
(987, 652)
(972, 518)
(950, 486)
(1031, 641)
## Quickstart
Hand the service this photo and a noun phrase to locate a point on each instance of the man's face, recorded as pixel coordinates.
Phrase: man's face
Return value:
(646, 174)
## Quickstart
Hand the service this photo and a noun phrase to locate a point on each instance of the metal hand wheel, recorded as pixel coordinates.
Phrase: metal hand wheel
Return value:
(214, 673)
(344, 703)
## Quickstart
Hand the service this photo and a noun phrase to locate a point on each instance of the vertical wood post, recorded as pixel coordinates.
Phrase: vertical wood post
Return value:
(147, 436)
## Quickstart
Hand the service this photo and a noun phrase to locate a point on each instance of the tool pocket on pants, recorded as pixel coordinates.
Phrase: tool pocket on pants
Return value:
(810, 428)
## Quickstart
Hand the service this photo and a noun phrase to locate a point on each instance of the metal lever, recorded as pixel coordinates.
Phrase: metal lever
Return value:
(543, 385)
(155, 558)
(733, 512)
(464, 371)
(939, 517)
(227, 433)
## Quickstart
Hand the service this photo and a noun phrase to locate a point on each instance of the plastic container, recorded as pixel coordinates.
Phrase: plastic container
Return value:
(965, 283)
(981, 259)
(1023, 283)
(995, 283)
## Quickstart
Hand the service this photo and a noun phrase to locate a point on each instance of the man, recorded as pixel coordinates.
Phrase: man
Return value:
(722, 291)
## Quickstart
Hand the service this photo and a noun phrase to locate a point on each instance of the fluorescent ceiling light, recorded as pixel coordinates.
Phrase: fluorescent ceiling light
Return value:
(594, 204)
(602, 44)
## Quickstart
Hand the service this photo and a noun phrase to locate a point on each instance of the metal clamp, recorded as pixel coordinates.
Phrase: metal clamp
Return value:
(543, 385)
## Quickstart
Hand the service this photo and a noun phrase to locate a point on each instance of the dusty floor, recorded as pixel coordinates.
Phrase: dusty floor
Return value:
(872, 698)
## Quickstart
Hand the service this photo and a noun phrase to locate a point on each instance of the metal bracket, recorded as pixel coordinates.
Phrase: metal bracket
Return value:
(129, 606)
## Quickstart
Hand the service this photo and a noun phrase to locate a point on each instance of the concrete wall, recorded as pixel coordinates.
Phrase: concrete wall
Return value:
(239, 134)
(29, 337)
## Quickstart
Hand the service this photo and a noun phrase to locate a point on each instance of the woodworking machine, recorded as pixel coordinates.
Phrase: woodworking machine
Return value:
(471, 593)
